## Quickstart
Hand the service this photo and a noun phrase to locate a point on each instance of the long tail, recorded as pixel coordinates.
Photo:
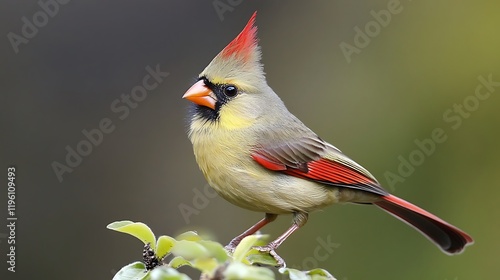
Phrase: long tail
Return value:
(449, 238)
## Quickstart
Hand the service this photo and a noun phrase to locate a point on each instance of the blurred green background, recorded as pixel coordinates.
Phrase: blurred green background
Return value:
(394, 90)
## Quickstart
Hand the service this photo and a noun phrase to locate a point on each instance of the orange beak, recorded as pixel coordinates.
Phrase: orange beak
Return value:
(200, 94)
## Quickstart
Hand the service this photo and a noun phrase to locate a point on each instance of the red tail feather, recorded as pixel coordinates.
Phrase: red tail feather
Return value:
(449, 238)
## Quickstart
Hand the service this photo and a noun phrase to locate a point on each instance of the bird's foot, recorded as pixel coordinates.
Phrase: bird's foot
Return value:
(280, 262)
(232, 246)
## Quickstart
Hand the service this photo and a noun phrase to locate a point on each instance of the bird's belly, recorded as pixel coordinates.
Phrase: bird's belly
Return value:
(271, 192)
(240, 180)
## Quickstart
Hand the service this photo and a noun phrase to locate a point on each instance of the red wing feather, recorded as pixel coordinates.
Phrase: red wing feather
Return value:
(331, 171)
(267, 163)
(304, 159)
(334, 173)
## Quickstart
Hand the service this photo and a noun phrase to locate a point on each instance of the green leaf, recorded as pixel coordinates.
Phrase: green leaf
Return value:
(139, 230)
(215, 249)
(205, 265)
(245, 245)
(245, 272)
(261, 258)
(163, 246)
(190, 250)
(294, 274)
(133, 271)
(189, 235)
(167, 273)
(320, 274)
(315, 274)
(178, 262)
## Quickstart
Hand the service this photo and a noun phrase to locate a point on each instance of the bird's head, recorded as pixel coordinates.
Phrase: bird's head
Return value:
(232, 90)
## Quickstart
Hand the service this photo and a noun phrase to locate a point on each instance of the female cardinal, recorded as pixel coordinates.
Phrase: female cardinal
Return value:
(259, 156)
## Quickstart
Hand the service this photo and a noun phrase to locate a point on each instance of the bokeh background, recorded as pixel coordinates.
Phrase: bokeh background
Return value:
(394, 91)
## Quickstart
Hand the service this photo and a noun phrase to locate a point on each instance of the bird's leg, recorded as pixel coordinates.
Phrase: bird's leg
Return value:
(253, 229)
(299, 219)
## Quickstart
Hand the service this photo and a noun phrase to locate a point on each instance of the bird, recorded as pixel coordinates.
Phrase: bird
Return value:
(259, 156)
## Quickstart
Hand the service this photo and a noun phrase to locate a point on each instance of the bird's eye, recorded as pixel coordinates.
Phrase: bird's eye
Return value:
(230, 91)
